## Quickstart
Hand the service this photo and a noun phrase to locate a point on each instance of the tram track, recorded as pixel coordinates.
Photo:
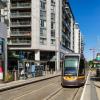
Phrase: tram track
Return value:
(75, 94)
(53, 94)
(63, 94)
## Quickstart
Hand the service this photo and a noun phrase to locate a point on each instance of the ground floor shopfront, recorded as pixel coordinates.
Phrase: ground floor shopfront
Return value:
(28, 62)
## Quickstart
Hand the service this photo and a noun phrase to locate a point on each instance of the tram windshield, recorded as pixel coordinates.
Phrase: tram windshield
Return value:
(71, 65)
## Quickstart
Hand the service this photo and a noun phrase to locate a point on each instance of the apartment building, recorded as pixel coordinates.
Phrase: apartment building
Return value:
(82, 44)
(78, 40)
(67, 31)
(41, 30)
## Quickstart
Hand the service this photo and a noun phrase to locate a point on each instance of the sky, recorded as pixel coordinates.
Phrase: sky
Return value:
(87, 14)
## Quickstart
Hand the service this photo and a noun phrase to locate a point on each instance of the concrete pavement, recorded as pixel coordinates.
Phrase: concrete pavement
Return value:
(97, 86)
(18, 83)
(96, 83)
(90, 92)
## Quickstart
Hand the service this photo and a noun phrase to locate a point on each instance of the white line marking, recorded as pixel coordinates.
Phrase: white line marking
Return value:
(84, 90)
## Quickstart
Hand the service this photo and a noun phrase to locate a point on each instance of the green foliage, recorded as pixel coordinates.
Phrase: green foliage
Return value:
(9, 77)
(90, 63)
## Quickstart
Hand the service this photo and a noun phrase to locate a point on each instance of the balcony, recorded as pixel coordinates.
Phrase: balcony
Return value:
(42, 35)
(20, 5)
(19, 42)
(20, 33)
(67, 25)
(66, 37)
(66, 12)
(21, 14)
(21, 24)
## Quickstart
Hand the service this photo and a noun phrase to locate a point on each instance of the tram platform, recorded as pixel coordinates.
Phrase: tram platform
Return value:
(91, 89)
(18, 83)
(96, 82)
(97, 87)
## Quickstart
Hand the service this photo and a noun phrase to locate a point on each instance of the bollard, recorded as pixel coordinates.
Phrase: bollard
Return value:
(15, 77)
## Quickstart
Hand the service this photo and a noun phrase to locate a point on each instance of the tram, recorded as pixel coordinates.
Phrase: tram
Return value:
(97, 64)
(73, 70)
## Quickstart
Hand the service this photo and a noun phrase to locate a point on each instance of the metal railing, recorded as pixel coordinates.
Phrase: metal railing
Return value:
(20, 42)
(20, 33)
(17, 5)
(26, 14)
(21, 23)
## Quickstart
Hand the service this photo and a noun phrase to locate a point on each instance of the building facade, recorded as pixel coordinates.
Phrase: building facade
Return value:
(3, 43)
(41, 30)
(77, 39)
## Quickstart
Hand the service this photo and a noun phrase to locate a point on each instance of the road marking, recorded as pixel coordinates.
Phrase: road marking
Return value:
(32, 92)
(84, 90)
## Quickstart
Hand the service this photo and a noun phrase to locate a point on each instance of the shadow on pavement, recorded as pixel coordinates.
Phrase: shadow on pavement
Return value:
(95, 78)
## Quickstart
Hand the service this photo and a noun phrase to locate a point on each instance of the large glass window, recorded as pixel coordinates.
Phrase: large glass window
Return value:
(71, 65)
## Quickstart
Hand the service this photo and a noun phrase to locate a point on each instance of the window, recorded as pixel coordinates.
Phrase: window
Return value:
(52, 41)
(1, 45)
(53, 16)
(43, 23)
(53, 2)
(52, 9)
(42, 13)
(42, 41)
(52, 25)
(53, 33)
(42, 5)
(42, 32)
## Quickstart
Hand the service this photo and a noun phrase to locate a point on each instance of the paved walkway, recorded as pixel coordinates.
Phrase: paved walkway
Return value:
(96, 81)
(13, 84)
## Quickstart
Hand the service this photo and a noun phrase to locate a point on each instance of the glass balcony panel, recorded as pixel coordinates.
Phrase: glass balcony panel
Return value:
(20, 42)
(21, 14)
(20, 33)
(17, 5)
(23, 23)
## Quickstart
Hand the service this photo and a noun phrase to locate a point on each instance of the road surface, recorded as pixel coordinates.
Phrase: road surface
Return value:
(49, 89)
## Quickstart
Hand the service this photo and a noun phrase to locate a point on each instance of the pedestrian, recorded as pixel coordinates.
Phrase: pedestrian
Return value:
(22, 73)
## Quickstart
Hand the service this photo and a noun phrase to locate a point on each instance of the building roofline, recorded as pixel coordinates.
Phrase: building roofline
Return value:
(70, 9)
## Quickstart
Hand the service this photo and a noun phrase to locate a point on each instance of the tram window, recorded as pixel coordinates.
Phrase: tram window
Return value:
(70, 66)
(82, 67)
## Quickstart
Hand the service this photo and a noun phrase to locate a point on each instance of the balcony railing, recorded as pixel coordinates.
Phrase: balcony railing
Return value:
(67, 25)
(26, 14)
(24, 23)
(19, 42)
(21, 5)
(20, 33)
(43, 35)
